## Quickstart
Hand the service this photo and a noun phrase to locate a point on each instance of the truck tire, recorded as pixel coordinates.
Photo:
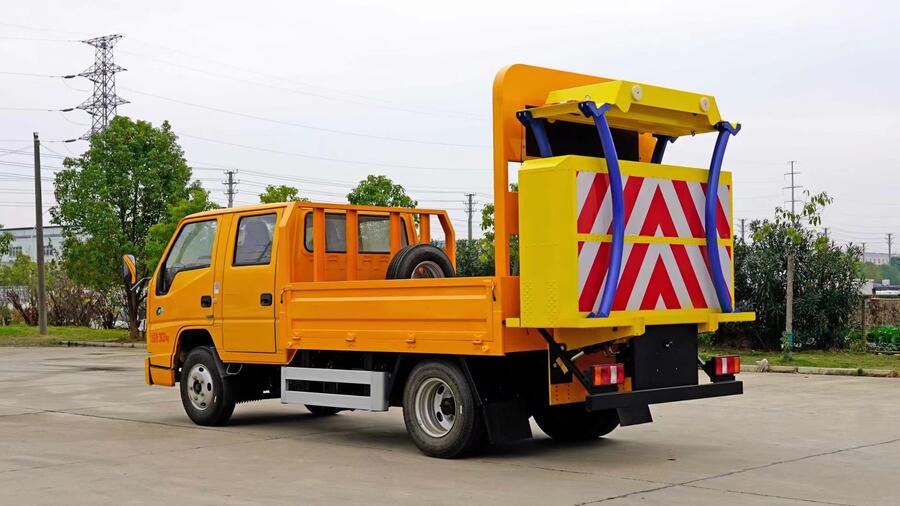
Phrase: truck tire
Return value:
(440, 411)
(571, 422)
(322, 410)
(207, 396)
(420, 261)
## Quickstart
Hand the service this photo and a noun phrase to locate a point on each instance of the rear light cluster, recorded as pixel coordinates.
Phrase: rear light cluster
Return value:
(729, 364)
(608, 374)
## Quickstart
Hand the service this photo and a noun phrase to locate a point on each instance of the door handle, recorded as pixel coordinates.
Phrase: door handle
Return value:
(206, 301)
(265, 299)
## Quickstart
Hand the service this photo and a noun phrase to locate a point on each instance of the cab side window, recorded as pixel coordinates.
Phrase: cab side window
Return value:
(254, 240)
(192, 250)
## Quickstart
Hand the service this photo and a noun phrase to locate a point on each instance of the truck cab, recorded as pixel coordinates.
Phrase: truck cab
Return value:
(624, 260)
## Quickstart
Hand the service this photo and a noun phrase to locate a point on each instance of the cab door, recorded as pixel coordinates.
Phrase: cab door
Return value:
(248, 283)
(182, 294)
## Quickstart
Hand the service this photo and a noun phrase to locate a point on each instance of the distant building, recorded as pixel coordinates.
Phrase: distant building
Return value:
(876, 258)
(24, 242)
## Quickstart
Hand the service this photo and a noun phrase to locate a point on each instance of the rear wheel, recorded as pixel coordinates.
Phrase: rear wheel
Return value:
(207, 396)
(571, 422)
(440, 411)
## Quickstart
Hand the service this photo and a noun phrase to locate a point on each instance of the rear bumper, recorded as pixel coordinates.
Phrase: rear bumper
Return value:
(616, 400)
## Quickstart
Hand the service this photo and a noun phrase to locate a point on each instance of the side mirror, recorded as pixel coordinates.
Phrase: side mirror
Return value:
(129, 270)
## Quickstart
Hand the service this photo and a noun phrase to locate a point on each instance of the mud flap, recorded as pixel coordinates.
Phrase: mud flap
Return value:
(506, 421)
(634, 415)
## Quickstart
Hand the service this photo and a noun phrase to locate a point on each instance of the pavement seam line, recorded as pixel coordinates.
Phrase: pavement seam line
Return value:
(745, 470)
(130, 456)
(773, 496)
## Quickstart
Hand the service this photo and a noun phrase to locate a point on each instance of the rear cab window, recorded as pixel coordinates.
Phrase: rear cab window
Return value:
(374, 233)
(254, 240)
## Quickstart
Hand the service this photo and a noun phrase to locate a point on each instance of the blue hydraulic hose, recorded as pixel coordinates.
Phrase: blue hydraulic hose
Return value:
(590, 109)
(712, 200)
(537, 128)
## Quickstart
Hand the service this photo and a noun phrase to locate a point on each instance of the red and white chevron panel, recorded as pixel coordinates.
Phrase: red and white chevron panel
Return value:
(653, 207)
(653, 276)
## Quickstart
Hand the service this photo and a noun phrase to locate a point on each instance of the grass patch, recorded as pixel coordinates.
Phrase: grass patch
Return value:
(24, 335)
(843, 359)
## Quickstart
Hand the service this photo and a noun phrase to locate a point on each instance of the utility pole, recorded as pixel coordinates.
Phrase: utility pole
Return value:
(789, 285)
(826, 232)
(789, 312)
(890, 236)
(470, 210)
(230, 183)
(39, 236)
(793, 187)
(863, 252)
(102, 104)
(742, 230)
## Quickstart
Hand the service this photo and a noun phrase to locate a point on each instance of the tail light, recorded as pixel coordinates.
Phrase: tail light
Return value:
(729, 364)
(609, 374)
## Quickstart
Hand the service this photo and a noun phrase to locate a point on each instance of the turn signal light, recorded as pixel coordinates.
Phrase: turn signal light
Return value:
(609, 374)
(729, 364)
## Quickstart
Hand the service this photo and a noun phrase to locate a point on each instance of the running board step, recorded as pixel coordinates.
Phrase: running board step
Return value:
(307, 385)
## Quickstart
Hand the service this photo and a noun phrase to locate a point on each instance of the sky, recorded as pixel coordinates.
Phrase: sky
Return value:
(319, 94)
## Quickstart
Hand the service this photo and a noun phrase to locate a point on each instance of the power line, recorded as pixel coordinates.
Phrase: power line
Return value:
(367, 163)
(29, 74)
(304, 125)
(36, 109)
(361, 99)
(103, 103)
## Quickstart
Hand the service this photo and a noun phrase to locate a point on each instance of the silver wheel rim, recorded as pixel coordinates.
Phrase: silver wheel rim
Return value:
(427, 269)
(200, 387)
(435, 407)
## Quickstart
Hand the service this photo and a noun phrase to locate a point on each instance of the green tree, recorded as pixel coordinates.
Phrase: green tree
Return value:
(280, 193)
(111, 195)
(868, 270)
(469, 260)
(5, 240)
(197, 201)
(380, 191)
(826, 285)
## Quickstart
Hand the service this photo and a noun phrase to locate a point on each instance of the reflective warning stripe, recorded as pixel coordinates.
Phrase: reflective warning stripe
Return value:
(650, 199)
(652, 276)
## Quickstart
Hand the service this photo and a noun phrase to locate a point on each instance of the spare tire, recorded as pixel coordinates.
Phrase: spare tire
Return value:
(420, 261)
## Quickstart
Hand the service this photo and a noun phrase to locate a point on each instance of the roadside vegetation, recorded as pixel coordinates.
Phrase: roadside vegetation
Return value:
(814, 358)
(27, 335)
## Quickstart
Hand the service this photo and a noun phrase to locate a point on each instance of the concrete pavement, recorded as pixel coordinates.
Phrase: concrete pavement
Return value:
(78, 426)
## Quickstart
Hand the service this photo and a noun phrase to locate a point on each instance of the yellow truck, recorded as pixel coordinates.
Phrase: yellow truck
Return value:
(624, 260)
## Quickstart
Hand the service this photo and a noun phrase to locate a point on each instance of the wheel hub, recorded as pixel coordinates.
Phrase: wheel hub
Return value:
(435, 407)
(427, 269)
(200, 392)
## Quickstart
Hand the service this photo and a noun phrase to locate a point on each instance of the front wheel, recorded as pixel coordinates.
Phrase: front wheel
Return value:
(207, 397)
(571, 422)
(440, 412)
